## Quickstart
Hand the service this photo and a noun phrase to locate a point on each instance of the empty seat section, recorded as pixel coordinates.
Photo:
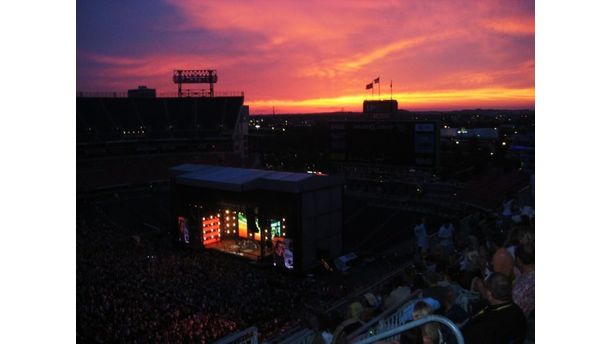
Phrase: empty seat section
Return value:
(181, 113)
(123, 114)
(153, 115)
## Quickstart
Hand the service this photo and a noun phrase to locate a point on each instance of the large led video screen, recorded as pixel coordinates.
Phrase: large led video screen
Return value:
(283, 253)
(243, 228)
(183, 230)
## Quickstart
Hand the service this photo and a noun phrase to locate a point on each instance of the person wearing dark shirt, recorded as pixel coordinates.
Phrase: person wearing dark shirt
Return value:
(502, 321)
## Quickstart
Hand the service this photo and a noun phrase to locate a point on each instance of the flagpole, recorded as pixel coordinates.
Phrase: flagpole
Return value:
(391, 89)
(378, 88)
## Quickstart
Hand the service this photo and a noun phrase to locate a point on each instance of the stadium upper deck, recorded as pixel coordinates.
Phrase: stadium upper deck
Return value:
(102, 119)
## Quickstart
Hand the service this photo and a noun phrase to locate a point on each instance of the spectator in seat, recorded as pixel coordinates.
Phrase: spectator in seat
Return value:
(507, 206)
(526, 237)
(315, 325)
(445, 236)
(352, 323)
(523, 291)
(502, 321)
(327, 329)
(451, 310)
(408, 313)
(470, 268)
(502, 260)
(430, 332)
(371, 307)
(399, 294)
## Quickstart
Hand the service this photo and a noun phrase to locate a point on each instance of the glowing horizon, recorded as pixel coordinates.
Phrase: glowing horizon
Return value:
(424, 101)
(316, 57)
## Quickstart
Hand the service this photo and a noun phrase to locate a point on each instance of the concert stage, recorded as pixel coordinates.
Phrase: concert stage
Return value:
(294, 219)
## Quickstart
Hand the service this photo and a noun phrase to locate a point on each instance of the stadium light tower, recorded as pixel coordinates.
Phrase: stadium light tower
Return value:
(195, 76)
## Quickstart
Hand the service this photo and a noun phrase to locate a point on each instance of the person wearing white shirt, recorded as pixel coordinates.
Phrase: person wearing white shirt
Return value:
(445, 236)
(420, 234)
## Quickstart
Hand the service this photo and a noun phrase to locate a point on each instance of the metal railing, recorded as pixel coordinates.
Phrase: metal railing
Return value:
(304, 336)
(403, 328)
(388, 319)
(246, 336)
(291, 332)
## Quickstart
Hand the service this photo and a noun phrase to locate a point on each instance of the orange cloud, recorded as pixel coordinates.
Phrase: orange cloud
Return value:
(515, 26)
(328, 69)
(360, 61)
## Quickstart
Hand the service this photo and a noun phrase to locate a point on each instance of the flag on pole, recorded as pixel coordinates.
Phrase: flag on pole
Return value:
(377, 80)
(369, 86)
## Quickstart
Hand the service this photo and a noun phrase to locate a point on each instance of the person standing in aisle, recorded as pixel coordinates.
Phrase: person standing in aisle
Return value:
(421, 238)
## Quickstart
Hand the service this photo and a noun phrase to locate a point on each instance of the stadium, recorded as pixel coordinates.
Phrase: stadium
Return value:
(199, 223)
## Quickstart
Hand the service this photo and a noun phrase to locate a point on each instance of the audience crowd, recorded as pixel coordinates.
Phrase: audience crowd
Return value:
(480, 274)
(141, 288)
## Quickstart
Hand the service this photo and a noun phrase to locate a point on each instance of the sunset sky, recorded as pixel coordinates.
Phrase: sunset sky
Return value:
(316, 55)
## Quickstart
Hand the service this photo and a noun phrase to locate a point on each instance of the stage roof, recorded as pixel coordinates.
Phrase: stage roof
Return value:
(243, 179)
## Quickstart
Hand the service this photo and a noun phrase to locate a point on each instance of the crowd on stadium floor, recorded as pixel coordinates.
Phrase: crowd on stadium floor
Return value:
(141, 289)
